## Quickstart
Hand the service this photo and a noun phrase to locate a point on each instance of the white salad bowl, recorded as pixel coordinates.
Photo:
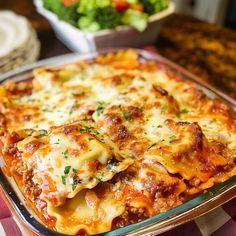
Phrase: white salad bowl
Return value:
(123, 36)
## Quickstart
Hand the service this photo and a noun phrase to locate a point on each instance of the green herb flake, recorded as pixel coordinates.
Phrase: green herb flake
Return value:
(100, 110)
(159, 126)
(82, 130)
(63, 179)
(75, 182)
(46, 110)
(67, 170)
(112, 166)
(127, 115)
(65, 153)
(89, 130)
(58, 142)
(43, 134)
(153, 145)
(184, 111)
(172, 138)
(96, 132)
(100, 178)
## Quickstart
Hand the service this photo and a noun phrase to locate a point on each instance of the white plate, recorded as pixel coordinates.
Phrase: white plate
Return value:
(14, 32)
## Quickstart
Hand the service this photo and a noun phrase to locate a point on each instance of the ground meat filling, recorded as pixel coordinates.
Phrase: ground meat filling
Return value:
(29, 188)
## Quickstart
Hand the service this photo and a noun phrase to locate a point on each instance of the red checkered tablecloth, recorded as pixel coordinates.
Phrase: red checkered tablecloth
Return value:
(220, 222)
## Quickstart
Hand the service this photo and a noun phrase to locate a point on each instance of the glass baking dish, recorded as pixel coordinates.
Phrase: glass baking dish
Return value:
(190, 210)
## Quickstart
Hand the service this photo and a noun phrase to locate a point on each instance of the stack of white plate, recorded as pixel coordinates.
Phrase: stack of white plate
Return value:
(18, 42)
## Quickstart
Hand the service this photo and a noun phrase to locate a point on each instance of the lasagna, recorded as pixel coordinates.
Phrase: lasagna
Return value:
(100, 144)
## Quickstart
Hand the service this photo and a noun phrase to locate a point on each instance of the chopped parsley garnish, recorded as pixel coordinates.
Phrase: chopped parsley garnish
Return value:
(96, 132)
(90, 139)
(65, 153)
(127, 115)
(66, 172)
(75, 183)
(63, 179)
(83, 130)
(172, 138)
(111, 166)
(58, 142)
(46, 110)
(89, 130)
(159, 126)
(100, 178)
(154, 144)
(100, 110)
(184, 111)
(178, 115)
(44, 133)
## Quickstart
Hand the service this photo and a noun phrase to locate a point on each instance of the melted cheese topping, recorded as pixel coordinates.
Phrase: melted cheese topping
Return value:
(152, 138)
(66, 161)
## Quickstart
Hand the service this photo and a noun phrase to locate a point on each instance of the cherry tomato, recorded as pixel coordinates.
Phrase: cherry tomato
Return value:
(121, 5)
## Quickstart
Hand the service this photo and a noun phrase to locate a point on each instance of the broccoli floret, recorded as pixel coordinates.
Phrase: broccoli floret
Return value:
(100, 12)
(87, 24)
(68, 14)
(107, 17)
(154, 6)
(88, 6)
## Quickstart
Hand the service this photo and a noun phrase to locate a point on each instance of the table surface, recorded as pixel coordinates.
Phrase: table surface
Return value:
(206, 50)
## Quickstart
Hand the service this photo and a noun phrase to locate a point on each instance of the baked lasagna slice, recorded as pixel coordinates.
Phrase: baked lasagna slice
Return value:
(101, 144)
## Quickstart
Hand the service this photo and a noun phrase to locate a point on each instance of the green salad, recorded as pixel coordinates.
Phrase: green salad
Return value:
(95, 15)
